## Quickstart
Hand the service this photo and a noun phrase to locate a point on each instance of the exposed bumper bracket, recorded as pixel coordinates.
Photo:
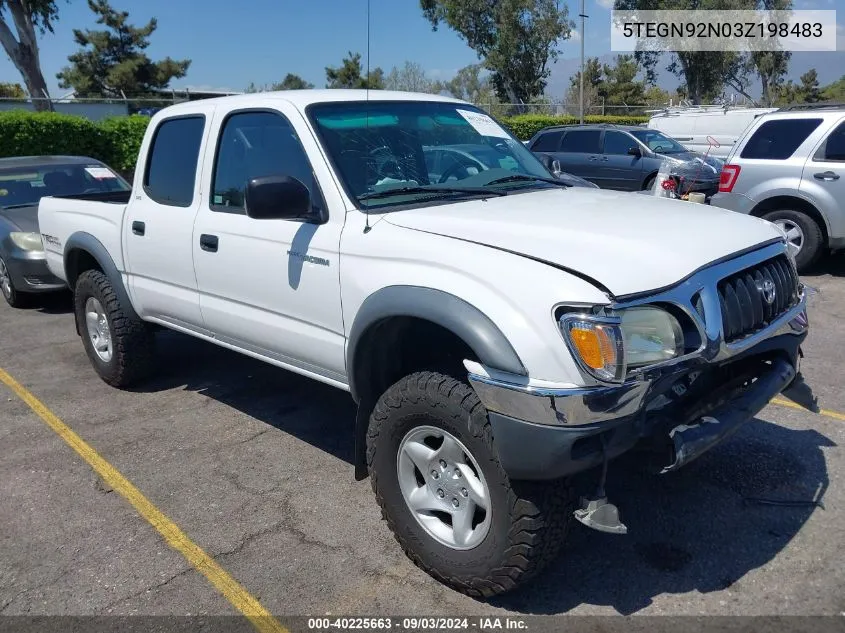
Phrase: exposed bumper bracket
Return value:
(693, 439)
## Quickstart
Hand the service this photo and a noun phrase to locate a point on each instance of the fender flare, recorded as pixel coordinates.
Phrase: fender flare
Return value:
(464, 320)
(89, 244)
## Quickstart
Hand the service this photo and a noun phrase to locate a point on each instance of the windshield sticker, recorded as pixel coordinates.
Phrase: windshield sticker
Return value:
(483, 124)
(100, 173)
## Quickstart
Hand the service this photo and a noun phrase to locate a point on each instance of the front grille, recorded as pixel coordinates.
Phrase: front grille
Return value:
(742, 297)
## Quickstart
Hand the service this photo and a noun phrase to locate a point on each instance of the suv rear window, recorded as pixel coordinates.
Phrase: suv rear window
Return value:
(547, 142)
(778, 140)
(583, 141)
(833, 148)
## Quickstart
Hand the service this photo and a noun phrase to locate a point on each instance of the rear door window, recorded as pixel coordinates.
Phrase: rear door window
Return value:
(172, 161)
(778, 139)
(582, 141)
(833, 149)
(548, 142)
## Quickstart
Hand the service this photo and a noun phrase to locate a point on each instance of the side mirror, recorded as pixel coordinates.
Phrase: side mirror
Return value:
(635, 151)
(277, 198)
(552, 164)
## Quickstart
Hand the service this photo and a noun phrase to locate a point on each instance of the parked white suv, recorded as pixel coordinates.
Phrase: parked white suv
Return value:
(499, 330)
(788, 168)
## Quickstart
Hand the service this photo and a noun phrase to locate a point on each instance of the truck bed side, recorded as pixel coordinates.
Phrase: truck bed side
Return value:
(60, 218)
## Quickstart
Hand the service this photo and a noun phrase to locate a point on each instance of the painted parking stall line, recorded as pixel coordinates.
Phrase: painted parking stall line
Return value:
(233, 591)
(836, 415)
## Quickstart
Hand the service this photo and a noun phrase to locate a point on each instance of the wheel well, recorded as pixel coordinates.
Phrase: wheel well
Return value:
(647, 178)
(77, 262)
(397, 346)
(782, 203)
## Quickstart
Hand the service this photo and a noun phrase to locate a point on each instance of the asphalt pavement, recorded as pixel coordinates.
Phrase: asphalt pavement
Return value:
(253, 464)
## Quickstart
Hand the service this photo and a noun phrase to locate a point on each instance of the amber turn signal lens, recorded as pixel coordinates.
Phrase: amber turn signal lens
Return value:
(594, 346)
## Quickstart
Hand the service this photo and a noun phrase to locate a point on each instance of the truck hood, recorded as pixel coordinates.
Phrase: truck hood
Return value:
(625, 242)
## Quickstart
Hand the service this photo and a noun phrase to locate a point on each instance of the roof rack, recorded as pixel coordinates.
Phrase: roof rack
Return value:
(812, 106)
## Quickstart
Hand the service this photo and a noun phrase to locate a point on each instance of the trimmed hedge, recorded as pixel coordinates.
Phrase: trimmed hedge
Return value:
(115, 141)
(524, 126)
(123, 136)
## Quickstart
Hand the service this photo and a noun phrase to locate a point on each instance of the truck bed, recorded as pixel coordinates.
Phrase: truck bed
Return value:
(98, 214)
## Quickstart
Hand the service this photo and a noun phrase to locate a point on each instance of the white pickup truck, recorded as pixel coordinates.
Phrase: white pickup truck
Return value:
(499, 330)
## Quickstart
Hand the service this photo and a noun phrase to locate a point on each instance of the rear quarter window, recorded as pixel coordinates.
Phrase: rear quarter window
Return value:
(778, 139)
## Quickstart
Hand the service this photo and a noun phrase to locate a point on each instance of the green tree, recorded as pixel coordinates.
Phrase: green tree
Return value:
(349, 74)
(771, 66)
(593, 87)
(29, 17)
(112, 62)
(12, 91)
(655, 95)
(834, 91)
(410, 77)
(472, 84)
(809, 89)
(290, 82)
(620, 85)
(705, 74)
(516, 39)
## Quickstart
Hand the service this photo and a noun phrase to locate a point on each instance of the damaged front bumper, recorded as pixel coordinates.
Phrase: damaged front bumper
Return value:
(689, 405)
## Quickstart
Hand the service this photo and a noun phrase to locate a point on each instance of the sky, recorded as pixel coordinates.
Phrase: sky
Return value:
(234, 43)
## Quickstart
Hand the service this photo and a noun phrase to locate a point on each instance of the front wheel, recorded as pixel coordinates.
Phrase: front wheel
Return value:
(118, 343)
(12, 296)
(452, 508)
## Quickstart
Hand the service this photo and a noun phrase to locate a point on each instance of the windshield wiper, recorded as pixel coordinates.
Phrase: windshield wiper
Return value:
(478, 191)
(524, 177)
(19, 205)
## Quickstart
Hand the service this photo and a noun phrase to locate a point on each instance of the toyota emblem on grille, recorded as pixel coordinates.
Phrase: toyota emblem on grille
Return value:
(766, 287)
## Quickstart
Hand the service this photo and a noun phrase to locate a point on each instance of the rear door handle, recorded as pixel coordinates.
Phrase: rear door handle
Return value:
(138, 228)
(208, 243)
(826, 175)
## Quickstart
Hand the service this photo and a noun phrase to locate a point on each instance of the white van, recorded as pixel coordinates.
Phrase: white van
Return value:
(691, 126)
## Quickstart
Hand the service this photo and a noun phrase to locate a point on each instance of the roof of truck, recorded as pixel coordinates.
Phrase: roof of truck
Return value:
(304, 98)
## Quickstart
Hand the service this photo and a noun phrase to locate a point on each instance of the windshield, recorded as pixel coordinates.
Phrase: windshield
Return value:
(425, 150)
(659, 142)
(24, 186)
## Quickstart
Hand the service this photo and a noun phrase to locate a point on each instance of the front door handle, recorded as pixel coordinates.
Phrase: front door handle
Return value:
(208, 243)
(138, 228)
(826, 175)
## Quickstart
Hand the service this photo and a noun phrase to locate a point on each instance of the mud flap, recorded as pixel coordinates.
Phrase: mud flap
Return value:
(691, 440)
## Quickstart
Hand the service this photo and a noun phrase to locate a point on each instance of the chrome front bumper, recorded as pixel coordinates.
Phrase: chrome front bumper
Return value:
(594, 405)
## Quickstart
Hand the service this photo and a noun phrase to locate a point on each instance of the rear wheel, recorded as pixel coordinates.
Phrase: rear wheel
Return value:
(118, 343)
(436, 475)
(12, 296)
(803, 233)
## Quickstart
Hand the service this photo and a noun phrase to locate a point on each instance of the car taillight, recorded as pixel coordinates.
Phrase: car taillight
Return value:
(728, 178)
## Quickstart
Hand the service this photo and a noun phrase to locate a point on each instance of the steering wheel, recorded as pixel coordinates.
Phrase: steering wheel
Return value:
(460, 168)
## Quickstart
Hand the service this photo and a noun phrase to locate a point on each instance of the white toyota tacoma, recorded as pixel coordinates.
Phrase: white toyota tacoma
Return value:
(499, 330)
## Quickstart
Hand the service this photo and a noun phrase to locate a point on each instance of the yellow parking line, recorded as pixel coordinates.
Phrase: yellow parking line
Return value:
(792, 405)
(240, 598)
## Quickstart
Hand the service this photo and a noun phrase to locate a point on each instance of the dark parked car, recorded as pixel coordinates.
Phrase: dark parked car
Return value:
(23, 182)
(627, 158)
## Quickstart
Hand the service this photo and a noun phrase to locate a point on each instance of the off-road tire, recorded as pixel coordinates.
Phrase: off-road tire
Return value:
(133, 355)
(529, 522)
(813, 247)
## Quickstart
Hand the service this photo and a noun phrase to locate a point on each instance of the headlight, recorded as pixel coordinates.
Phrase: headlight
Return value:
(606, 347)
(596, 344)
(650, 335)
(27, 241)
